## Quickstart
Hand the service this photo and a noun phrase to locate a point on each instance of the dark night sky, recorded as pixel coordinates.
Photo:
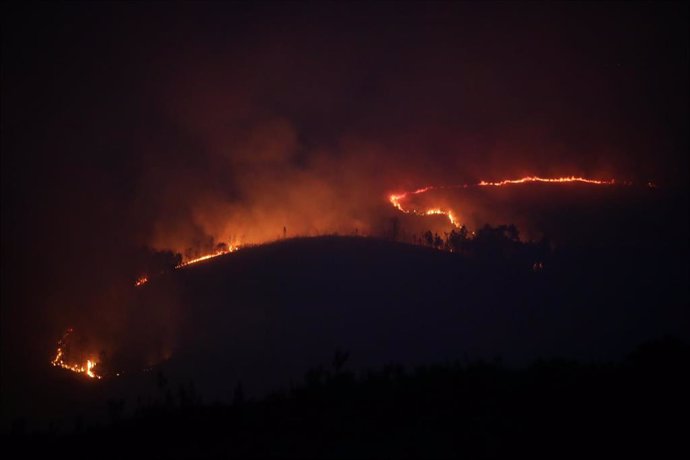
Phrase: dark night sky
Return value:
(130, 124)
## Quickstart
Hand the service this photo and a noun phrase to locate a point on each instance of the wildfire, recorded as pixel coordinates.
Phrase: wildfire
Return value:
(551, 180)
(87, 368)
(219, 252)
(143, 279)
(397, 199)
(441, 212)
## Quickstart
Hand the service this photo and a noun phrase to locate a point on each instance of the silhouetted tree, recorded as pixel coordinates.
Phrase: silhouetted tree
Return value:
(161, 380)
(162, 261)
(496, 243)
(394, 229)
(438, 241)
(480, 409)
(151, 262)
(116, 408)
(103, 366)
(457, 240)
(429, 238)
(512, 232)
(339, 360)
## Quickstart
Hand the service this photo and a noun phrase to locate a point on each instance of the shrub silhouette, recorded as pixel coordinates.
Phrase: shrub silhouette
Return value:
(479, 409)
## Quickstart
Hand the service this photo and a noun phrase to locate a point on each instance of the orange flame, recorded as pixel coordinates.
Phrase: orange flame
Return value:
(553, 180)
(89, 367)
(143, 279)
(396, 199)
(209, 256)
(86, 368)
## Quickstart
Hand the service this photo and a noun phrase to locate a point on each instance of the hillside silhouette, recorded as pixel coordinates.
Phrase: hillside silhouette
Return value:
(432, 346)
(264, 314)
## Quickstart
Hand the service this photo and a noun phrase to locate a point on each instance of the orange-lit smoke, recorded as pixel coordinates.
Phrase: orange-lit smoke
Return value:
(262, 187)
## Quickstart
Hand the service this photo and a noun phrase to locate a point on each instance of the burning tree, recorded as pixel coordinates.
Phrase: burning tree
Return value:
(458, 239)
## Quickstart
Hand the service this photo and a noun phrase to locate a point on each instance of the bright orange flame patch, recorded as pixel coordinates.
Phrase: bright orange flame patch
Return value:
(141, 280)
(87, 368)
(395, 200)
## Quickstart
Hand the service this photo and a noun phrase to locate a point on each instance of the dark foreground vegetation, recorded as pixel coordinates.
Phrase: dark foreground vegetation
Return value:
(552, 408)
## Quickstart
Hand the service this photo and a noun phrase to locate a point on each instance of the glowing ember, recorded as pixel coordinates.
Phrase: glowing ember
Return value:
(87, 368)
(141, 280)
